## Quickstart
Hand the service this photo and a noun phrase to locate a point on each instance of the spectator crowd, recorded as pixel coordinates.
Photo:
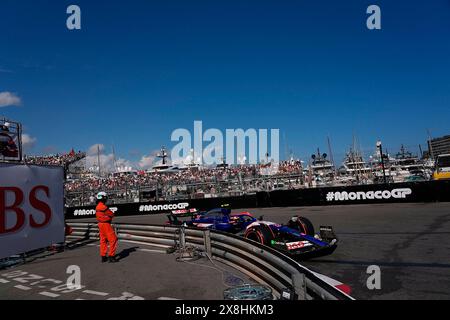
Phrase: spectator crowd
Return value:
(126, 184)
(136, 179)
(63, 159)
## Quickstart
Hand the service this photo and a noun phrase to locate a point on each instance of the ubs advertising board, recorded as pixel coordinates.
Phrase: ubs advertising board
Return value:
(31, 208)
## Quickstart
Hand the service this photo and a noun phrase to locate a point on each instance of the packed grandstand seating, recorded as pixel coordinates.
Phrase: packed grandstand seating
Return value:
(63, 159)
(128, 184)
(137, 179)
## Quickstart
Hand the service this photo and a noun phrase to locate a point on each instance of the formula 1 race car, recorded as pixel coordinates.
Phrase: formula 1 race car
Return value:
(296, 239)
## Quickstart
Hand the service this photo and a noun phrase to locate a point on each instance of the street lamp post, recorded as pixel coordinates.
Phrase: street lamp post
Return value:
(380, 147)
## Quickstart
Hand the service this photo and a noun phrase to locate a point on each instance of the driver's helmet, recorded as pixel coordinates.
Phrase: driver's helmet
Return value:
(102, 196)
(234, 219)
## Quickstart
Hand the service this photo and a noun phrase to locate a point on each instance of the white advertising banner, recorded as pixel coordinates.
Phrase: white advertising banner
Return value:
(31, 207)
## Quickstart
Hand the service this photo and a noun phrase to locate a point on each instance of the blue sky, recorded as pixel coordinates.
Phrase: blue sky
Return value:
(140, 69)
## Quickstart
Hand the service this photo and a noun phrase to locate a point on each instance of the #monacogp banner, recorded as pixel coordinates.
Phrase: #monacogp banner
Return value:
(31, 208)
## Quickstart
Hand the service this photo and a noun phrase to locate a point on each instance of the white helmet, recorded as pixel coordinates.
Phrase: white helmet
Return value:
(102, 195)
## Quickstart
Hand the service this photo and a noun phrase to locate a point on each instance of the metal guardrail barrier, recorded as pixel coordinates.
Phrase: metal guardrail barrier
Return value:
(261, 263)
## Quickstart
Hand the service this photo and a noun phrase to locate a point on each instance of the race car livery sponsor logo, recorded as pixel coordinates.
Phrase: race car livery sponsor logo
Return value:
(371, 195)
(89, 212)
(203, 225)
(163, 207)
(184, 211)
(297, 245)
(273, 242)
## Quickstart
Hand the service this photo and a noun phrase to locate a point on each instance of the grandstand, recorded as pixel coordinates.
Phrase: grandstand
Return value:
(83, 183)
(71, 161)
(183, 183)
(189, 183)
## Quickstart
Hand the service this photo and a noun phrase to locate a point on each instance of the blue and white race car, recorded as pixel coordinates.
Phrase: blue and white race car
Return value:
(296, 239)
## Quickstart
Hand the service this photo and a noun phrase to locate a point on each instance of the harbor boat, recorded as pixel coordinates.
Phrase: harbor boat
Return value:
(321, 169)
(354, 164)
(376, 163)
(408, 167)
(163, 166)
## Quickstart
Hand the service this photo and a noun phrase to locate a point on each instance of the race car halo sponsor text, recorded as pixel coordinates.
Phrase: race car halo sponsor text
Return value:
(370, 195)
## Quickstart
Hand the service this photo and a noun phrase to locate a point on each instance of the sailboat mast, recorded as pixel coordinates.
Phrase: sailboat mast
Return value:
(429, 144)
(114, 158)
(285, 147)
(98, 159)
(331, 154)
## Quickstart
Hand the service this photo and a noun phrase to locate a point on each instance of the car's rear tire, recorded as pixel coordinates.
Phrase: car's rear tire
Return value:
(303, 225)
(262, 234)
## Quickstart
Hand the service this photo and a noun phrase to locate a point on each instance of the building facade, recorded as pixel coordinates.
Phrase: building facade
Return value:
(439, 146)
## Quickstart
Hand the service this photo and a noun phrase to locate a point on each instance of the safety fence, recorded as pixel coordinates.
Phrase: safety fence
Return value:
(263, 264)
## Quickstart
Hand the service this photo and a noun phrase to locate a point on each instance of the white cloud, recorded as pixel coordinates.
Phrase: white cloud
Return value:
(146, 162)
(106, 160)
(93, 150)
(9, 99)
(28, 142)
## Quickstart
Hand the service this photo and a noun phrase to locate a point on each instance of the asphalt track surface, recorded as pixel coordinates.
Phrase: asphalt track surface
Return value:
(143, 273)
(410, 243)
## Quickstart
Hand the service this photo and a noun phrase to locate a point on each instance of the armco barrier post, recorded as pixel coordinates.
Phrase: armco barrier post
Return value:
(182, 237)
(207, 241)
(298, 280)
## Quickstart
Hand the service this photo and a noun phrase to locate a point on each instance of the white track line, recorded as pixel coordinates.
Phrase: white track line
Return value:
(152, 250)
(21, 287)
(97, 293)
(49, 294)
(4, 281)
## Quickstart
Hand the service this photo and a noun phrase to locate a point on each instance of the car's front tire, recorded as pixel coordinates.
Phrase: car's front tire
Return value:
(303, 225)
(262, 234)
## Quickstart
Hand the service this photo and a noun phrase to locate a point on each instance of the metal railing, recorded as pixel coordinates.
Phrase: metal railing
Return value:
(263, 264)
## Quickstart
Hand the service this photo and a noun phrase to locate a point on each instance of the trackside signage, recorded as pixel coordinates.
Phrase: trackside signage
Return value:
(163, 207)
(129, 209)
(90, 212)
(401, 193)
(31, 208)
